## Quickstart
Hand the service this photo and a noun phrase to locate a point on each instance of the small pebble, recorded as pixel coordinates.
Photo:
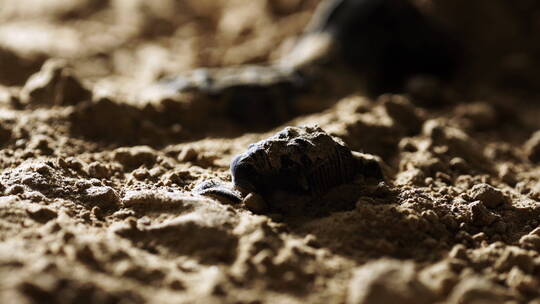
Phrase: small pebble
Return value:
(187, 155)
(15, 189)
(134, 157)
(489, 196)
(54, 84)
(41, 214)
(103, 197)
(98, 170)
(255, 203)
(480, 215)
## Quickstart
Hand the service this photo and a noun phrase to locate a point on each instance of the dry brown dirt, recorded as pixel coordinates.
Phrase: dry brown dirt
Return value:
(95, 183)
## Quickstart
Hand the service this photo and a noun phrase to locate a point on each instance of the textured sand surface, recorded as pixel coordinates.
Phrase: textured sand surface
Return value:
(95, 183)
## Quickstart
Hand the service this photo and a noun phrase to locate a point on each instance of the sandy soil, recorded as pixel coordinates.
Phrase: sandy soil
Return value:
(95, 183)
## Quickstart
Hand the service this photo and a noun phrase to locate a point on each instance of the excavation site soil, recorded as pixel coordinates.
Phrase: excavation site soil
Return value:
(104, 148)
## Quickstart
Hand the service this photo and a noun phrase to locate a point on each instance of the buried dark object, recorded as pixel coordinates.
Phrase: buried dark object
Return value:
(368, 46)
(387, 41)
(296, 168)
